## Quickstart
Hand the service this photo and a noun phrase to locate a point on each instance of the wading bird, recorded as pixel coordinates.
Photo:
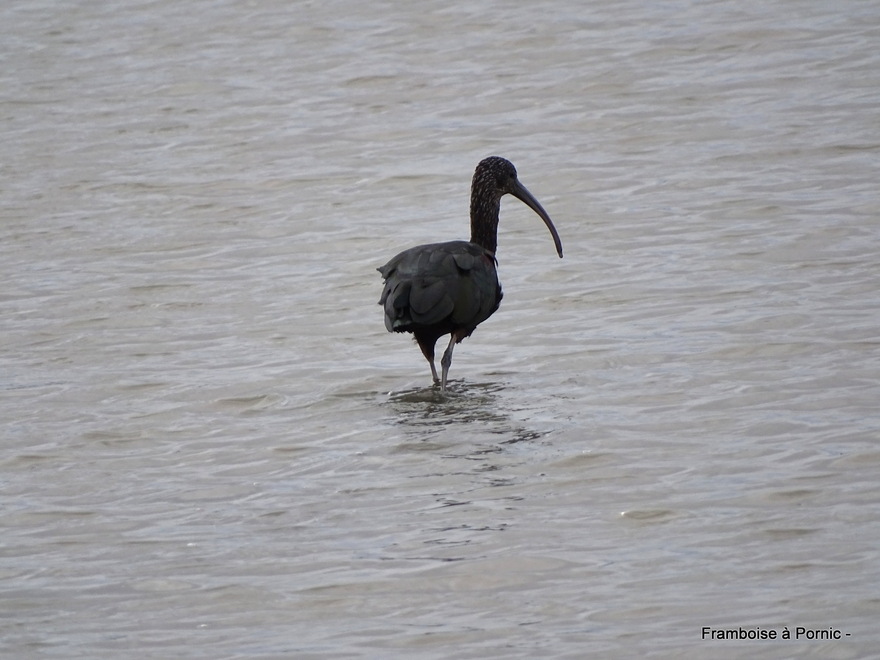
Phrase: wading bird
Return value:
(450, 288)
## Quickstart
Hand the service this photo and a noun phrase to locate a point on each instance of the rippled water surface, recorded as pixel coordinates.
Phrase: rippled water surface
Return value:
(213, 449)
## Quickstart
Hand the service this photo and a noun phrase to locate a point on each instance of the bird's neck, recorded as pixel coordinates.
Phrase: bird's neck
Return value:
(484, 221)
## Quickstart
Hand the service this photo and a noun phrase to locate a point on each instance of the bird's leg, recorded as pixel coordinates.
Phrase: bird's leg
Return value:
(428, 351)
(446, 360)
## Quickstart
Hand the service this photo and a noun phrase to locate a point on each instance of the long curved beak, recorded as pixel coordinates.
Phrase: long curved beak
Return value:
(519, 191)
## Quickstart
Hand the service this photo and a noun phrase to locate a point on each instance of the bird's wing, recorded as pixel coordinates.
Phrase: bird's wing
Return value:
(439, 283)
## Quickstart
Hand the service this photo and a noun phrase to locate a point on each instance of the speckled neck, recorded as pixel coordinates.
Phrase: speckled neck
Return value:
(485, 206)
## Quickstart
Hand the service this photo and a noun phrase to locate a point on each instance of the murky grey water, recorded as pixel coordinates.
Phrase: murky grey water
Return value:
(213, 449)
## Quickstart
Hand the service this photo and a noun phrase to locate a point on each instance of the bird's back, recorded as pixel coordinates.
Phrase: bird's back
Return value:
(440, 287)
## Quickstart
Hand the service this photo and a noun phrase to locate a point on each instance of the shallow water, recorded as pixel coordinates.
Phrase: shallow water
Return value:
(213, 449)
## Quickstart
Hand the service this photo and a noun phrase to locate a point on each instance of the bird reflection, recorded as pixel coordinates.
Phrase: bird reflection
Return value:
(474, 413)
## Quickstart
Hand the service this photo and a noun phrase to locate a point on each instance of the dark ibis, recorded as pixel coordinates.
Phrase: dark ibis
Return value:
(450, 288)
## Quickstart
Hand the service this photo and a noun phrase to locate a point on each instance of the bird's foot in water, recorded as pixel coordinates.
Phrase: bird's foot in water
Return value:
(439, 386)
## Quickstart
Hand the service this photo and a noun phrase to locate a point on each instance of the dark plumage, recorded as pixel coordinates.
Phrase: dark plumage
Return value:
(450, 288)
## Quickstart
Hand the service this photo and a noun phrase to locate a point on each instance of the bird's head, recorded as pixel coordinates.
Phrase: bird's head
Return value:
(495, 177)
